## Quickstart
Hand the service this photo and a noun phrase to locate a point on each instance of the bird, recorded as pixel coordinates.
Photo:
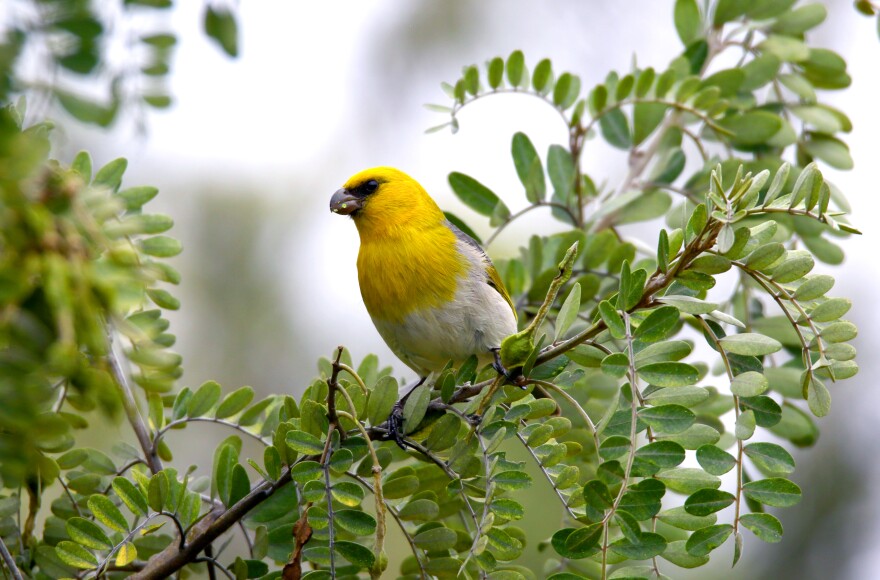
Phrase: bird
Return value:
(430, 289)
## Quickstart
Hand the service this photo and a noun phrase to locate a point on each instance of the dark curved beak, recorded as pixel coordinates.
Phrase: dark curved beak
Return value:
(344, 203)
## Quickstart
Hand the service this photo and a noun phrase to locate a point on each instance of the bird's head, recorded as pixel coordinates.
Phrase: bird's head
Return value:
(385, 198)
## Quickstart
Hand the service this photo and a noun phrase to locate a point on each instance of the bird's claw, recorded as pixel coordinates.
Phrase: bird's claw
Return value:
(513, 376)
(474, 419)
(395, 425)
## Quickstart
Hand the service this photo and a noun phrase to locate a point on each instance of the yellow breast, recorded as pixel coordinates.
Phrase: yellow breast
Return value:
(409, 270)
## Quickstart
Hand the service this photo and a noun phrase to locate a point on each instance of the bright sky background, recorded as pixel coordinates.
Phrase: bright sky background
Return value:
(302, 109)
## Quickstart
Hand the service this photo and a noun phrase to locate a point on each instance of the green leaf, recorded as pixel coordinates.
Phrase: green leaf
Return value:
(657, 326)
(581, 541)
(272, 462)
(818, 398)
(648, 545)
(677, 554)
(568, 311)
(685, 396)
(240, 485)
(765, 526)
(615, 365)
(708, 501)
(381, 400)
(507, 508)
(612, 319)
(745, 425)
(786, 48)
(679, 518)
(814, 287)
(134, 198)
(669, 374)
(160, 246)
(714, 460)
(75, 555)
(615, 129)
(515, 66)
(689, 305)
(704, 540)
(749, 384)
(528, 167)
(107, 513)
(400, 487)
(126, 554)
(643, 500)
(235, 402)
(415, 407)
(541, 78)
(688, 22)
(839, 332)
(355, 521)
(688, 480)
(663, 454)
(668, 418)
(646, 118)
(561, 169)
(512, 480)
(799, 20)
(820, 117)
(474, 194)
(347, 493)
(829, 310)
(566, 91)
(727, 11)
(163, 299)
(759, 71)
(82, 164)
(435, 539)
(752, 128)
(204, 399)
(750, 344)
(110, 176)
(131, 496)
(775, 491)
(829, 149)
(597, 495)
(304, 443)
(158, 491)
(419, 509)
(496, 72)
(305, 471)
(87, 533)
(355, 553)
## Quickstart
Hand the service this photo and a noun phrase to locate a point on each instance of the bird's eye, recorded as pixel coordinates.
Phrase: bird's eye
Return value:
(371, 186)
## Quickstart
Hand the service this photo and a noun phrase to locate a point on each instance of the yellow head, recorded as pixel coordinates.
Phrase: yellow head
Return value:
(384, 201)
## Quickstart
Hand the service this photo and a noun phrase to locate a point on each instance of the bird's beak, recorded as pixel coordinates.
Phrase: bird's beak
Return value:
(344, 203)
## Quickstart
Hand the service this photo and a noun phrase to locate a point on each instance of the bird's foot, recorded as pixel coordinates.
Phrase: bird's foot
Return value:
(395, 425)
(513, 376)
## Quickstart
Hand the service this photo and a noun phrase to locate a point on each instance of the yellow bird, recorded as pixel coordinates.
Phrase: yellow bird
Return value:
(430, 289)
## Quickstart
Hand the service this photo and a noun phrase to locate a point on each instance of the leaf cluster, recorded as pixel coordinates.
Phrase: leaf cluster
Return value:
(621, 416)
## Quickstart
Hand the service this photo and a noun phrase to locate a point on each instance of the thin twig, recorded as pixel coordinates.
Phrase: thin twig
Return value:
(131, 409)
(10, 561)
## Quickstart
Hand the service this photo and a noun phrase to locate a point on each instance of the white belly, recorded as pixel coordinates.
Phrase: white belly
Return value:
(474, 323)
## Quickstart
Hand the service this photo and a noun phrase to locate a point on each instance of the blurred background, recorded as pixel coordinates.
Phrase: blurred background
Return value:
(251, 150)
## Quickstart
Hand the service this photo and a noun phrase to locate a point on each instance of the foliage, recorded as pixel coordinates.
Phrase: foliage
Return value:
(644, 383)
(97, 61)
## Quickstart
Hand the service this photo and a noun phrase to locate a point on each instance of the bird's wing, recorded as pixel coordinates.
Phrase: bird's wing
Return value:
(492, 277)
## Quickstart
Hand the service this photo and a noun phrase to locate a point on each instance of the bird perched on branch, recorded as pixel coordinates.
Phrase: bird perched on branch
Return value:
(430, 289)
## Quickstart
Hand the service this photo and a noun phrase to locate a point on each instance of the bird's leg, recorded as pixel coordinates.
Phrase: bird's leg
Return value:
(514, 376)
(395, 419)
